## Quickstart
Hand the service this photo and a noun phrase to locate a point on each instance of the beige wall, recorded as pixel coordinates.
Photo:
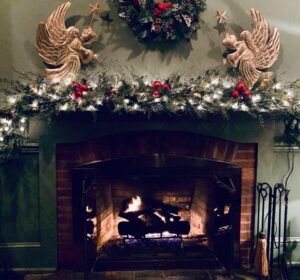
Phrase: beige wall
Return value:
(117, 46)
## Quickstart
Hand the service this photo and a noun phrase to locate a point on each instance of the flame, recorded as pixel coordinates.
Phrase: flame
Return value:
(160, 216)
(134, 205)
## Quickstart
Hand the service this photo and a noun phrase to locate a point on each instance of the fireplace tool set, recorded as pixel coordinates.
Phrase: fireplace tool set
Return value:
(271, 229)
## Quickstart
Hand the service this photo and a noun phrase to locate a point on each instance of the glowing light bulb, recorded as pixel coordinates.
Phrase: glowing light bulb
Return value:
(135, 106)
(12, 100)
(64, 107)
(235, 106)
(91, 108)
(215, 81)
(22, 128)
(200, 108)
(34, 104)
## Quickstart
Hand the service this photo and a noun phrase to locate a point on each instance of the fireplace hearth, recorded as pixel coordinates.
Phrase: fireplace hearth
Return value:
(190, 194)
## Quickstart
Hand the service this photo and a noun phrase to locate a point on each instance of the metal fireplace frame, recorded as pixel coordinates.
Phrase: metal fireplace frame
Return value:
(148, 166)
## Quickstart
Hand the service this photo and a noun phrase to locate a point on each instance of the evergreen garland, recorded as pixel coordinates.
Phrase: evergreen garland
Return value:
(199, 96)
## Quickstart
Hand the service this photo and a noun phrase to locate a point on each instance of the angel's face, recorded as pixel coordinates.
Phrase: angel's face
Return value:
(229, 41)
(73, 31)
(88, 36)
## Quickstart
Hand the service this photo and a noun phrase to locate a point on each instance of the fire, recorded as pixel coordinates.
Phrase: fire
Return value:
(134, 205)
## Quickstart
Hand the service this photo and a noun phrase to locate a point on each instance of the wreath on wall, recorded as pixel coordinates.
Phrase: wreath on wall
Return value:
(158, 21)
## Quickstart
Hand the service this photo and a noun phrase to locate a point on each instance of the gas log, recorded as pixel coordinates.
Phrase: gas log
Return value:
(151, 217)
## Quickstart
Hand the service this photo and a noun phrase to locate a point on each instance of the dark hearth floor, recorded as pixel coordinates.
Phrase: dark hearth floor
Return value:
(144, 275)
(156, 254)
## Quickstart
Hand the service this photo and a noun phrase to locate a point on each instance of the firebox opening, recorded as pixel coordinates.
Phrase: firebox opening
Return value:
(158, 219)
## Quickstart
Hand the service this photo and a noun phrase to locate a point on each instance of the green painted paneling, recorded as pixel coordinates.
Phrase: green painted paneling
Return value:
(19, 201)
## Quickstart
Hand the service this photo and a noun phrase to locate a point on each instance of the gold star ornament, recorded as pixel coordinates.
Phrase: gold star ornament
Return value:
(95, 9)
(221, 17)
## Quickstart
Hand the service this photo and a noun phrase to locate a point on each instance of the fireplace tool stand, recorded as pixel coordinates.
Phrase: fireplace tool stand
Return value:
(272, 212)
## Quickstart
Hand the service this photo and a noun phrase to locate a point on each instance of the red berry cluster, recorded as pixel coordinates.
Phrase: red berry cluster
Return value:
(159, 88)
(241, 90)
(79, 90)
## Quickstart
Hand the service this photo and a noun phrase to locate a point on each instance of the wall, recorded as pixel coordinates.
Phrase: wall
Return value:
(117, 47)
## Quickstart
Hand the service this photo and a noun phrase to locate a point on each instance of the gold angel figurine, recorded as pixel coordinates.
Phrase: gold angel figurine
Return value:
(256, 51)
(63, 48)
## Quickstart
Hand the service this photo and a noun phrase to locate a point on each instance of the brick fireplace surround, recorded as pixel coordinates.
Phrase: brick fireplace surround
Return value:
(138, 143)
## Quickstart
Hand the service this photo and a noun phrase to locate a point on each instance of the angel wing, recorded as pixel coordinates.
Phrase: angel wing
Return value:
(266, 45)
(53, 44)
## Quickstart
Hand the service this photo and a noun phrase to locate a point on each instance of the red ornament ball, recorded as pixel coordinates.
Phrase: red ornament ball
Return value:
(240, 87)
(75, 85)
(77, 95)
(156, 94)
(166, 86)
(84, 87)
(157, 85)
(235, 94)
(247, 94)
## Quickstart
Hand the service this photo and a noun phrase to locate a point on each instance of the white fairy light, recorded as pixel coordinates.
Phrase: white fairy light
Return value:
(235, 106)
(256, 98)
(207, 85)
(34, 104)
(285, 103)
(22, 128)
(1, 138)
(91, 108)
(8, 122)
(68, 81)
(54, 96)
(207, 98)
(216, 96)
(39, 93)
(135, 107)
(34, 89)
(191, 101)
(290, 93)
(157, 99)
(93, 85)
(182, 107)
(126, 101)
(222, 104)
(200, 108)
(64, 107)
(244, 107)
(219, 92)
(6, 128)
(99, 102)
(215, 81)
(119, 84)
(23, 120)
(134, 83)
(196, 94)
(56, 80)
(12, 100)
(277, 86)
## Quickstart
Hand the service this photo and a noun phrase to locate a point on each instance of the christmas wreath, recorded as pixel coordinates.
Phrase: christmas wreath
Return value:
(158, 21)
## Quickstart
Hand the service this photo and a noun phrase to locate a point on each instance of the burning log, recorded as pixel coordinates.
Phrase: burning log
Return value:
(150, 217)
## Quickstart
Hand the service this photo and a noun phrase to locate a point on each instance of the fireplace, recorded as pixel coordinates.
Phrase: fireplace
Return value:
(197, 180)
